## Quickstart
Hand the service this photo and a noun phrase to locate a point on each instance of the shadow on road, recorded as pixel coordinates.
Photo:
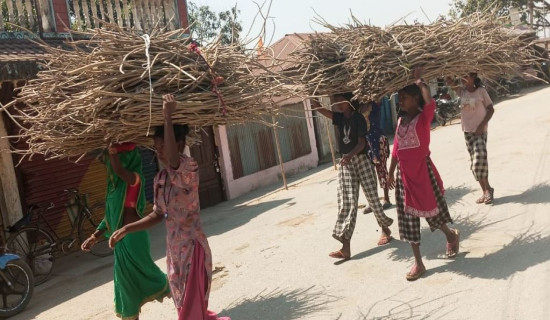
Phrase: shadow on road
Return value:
(280, 304)
(433, 243)
(397, 308)
(537, 194)
(222, 221)
(66, 282)
(455, 194)
(524, 251)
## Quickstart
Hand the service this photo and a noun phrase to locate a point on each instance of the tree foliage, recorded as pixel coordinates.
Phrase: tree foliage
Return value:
(207, 25)
(462, 8)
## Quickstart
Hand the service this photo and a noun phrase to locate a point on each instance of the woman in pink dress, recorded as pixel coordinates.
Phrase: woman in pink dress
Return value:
(188, 254)
(418, 187)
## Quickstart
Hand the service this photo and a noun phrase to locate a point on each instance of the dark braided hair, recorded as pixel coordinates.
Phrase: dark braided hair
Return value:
(477, 81)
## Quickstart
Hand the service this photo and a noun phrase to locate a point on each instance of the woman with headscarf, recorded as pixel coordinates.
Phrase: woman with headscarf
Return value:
(137, 279)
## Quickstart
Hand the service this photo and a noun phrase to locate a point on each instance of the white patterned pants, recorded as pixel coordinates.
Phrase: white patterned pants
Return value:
(359, 172)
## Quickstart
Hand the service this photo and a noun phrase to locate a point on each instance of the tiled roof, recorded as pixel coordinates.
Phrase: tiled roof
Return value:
(20, 50)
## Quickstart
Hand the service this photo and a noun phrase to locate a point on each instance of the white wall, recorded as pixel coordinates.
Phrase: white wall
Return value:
(246, 184)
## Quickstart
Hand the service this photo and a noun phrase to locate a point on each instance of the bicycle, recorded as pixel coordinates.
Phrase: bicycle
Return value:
(36, 241)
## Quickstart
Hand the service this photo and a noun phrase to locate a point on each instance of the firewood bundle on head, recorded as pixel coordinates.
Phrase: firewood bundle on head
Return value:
(109, 87)
(373, 62)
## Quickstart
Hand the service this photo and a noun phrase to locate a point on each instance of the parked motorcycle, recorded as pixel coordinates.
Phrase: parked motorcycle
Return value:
(446, 108)
(16, 285)
(508, 86)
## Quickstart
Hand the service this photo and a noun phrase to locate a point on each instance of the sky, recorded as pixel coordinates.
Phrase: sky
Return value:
(289, 16)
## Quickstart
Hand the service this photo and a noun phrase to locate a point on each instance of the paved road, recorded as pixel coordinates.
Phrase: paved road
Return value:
(271, 246)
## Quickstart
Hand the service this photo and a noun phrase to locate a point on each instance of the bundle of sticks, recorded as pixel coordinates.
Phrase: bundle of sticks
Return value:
(372, 62)
(109, 87)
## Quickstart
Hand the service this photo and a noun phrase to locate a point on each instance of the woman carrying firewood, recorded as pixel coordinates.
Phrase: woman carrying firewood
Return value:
(137, 279)
(188, 254)
(355, 170)
(476, 111)
(418, 186)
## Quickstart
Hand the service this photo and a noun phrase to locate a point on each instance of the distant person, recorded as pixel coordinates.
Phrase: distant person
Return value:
(476, 111)
(418, 187)
(137, 279)
(379, 150)
(355, 171)
(188, 255)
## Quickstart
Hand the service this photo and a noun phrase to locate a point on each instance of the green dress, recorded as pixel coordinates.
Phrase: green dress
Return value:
(137, 279)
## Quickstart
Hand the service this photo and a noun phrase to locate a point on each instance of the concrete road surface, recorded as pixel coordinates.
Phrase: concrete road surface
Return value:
(271, 247)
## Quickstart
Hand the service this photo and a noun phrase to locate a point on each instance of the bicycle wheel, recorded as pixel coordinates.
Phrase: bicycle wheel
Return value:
(37, 248)
(17, 291)
(88, 223)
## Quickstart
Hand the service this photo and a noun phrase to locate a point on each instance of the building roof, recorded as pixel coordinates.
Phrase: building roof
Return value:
(282, 49)
(20, 58)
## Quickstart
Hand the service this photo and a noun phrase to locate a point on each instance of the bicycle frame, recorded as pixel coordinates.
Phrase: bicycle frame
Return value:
(42, 223)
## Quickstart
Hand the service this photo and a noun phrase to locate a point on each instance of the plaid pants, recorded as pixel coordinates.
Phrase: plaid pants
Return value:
(409, 225)
(359, 172)
(477, 147)
(381, 167)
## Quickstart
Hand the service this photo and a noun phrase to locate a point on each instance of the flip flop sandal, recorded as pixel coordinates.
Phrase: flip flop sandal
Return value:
(454, 246)
(386, 205)
(489, 198)
(338, 255)
(416, 274)
(384, 240)
(481, 200)
(367, 210)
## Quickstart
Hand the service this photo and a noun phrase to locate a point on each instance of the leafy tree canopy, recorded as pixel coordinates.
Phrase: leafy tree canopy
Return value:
(207, 25)
(462, 8)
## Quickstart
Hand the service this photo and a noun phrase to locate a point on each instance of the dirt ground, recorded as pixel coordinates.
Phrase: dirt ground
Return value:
(271, 247)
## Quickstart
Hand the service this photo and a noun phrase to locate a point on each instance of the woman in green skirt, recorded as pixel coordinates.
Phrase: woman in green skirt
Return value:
(137, 279)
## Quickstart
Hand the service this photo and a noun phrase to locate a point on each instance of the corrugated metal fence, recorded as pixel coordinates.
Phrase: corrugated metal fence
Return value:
(252, 146)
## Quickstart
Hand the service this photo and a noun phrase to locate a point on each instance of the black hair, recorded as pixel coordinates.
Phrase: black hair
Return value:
(180, 132)
(413, 90)
(348, 96)
(477, 81)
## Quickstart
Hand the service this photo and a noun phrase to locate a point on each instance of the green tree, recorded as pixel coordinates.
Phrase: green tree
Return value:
(462, 8)
(207, 25)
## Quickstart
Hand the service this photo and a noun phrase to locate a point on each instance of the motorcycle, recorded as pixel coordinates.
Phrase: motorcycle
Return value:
(16, 284)
(508, 86)
(446, 108)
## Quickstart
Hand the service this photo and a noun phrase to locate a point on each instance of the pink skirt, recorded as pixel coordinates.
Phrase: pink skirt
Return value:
(195, 303)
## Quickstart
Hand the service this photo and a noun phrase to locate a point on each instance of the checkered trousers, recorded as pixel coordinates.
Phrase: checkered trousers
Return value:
(477, 147)
(359, 172)
(409, 225)
(381, 167)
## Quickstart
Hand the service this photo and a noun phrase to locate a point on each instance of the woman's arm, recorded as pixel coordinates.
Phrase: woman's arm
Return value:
(128, 176)
(91, 241)
(490, 111)
(145, 223)
(481, 128)
(361, 142)
(417, 73)
(391, 173)
(315, 105)
(170, 147)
